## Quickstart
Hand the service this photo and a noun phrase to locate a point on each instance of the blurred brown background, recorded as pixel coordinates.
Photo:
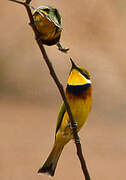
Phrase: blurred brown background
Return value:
(95, 31)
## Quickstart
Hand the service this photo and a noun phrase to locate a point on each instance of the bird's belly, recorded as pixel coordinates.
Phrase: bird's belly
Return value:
(80, 109)
(47, 28)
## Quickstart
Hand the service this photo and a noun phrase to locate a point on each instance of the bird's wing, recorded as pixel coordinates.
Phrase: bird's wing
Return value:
(60, 116)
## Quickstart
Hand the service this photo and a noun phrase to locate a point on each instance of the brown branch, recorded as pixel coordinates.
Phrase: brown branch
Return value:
(60, 87)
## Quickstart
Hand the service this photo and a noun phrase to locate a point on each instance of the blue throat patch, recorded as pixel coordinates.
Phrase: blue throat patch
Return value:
(77, 89)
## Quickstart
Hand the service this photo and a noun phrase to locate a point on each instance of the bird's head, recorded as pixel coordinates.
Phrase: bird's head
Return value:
(78, 76)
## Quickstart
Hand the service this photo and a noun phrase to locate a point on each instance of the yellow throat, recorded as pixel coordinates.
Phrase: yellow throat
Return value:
(76, 78)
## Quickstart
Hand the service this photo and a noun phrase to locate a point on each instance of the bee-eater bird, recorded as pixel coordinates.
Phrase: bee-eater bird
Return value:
(48, 22)
(79, 96)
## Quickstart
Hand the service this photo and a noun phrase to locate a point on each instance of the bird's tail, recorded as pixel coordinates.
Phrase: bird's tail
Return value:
(51, 162)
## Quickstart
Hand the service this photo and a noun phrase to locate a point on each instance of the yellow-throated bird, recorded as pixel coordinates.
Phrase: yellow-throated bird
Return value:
(79, 96)
(48, 22)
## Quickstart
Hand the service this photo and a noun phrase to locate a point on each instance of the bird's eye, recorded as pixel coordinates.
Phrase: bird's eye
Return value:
(84, 73)
(46, 10)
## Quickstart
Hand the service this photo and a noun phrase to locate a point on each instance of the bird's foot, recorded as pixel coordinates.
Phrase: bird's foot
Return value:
(77, 140)
(74, 125)
(60, 48)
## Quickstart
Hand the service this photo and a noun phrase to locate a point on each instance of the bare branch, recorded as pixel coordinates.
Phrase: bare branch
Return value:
(28, 1)
(19, 2)
(60, 87)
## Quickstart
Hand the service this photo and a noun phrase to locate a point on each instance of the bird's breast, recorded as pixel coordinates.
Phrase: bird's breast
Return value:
(80, 104)
(48, 30)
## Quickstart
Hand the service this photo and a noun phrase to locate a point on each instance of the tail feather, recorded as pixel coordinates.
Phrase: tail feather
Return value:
(47, 169)
(51, 162)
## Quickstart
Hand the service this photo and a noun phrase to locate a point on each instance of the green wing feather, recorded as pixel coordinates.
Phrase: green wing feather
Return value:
(60, 116)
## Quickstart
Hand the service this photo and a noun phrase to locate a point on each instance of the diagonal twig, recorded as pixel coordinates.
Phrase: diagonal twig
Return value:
(60, 87)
